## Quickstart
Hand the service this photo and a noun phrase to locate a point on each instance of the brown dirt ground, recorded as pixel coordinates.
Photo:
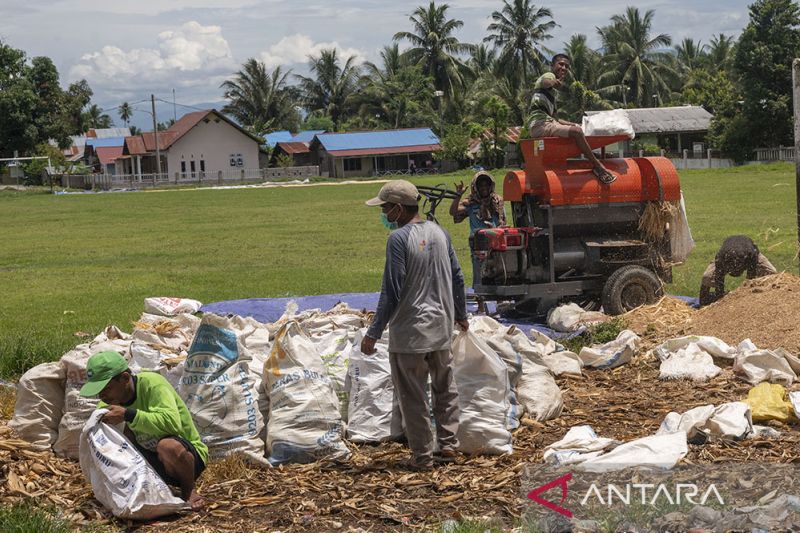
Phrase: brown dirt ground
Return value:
(372, 493)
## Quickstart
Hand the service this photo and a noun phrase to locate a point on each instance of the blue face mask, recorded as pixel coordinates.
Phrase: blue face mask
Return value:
(388, 224)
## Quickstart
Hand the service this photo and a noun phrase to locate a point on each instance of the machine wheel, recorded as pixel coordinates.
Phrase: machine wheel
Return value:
(630, 287)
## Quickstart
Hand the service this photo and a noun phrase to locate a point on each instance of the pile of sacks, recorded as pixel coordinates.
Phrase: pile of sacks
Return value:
(295, 390)
(696, 357)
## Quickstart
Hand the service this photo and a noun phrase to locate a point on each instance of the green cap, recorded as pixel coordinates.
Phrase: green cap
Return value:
(100, 369)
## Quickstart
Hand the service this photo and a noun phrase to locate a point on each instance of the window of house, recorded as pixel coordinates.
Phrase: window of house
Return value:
(352, 164)
(202, 165)
(192, 166)
(183, 167)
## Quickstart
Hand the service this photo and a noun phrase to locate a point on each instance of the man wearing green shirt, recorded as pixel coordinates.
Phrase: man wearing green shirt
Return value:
(544, 119)
(156, 420)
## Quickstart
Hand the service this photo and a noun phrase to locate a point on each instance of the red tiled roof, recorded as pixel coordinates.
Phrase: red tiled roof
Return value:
(134, 145)
(145, 143)
(292, 148)
(108, 154)
(387, 151)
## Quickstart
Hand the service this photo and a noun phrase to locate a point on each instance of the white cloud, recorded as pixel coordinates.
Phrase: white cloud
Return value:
(296, 48)
(185, 55)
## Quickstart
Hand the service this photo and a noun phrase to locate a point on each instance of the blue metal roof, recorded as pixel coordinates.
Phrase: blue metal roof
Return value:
(106, 143)
(277, 137)
(377, 139)
(306, 136)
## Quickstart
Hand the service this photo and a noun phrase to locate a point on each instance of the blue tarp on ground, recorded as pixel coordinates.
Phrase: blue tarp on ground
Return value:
(271, 309)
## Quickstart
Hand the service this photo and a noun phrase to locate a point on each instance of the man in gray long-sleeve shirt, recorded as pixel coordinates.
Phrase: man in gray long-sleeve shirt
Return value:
(422, 296)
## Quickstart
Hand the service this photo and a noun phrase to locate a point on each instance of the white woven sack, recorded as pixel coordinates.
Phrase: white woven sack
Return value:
(304, 420)
(39, 405)
(335, 348)
(170, 306)
(614, 122)
(372, 415)
(77, 409)
(221, 392)
(122, 480)
(483, 388)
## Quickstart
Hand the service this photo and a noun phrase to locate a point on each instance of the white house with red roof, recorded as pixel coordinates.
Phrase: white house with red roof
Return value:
(202, 143)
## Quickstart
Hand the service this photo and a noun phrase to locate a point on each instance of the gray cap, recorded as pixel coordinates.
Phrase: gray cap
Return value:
(396, 192)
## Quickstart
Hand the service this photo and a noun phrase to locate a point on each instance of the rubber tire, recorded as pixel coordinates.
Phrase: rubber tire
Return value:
(630, 287)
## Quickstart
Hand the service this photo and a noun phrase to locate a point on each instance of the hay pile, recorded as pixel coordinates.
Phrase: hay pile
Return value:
(371, 492)
(763, 310)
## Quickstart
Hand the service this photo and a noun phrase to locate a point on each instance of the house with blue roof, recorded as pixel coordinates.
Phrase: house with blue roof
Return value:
(375, 153)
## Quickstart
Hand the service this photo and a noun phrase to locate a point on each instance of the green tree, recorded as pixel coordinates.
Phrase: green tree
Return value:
(435, 48)
(720, 52)
(395, 94)
(94, 117)
(580, 94)
(518, 31)
(763, 61)
(261, 100)
(493, 146)
(330, 89)
(36, 170)
(455, 145)
(33, 106)
(636, 68)
(317, 121)
(125, 112)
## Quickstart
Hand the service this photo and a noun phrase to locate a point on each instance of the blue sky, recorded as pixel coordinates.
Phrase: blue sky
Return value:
(130, 49)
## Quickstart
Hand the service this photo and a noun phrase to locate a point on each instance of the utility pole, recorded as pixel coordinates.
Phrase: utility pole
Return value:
(796, 94)
(155, 135)
(174, 109)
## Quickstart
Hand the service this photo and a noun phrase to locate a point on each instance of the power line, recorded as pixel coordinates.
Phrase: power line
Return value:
(182, 105)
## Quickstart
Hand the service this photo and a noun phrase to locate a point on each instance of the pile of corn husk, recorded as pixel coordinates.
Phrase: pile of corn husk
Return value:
(654, 219)
(372, 492)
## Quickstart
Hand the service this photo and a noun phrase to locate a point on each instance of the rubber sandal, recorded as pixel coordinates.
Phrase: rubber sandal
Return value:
(604, 175)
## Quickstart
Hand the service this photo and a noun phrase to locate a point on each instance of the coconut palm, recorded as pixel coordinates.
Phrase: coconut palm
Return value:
(690, 55)
(434, 47)
(482, 60)
(720, 52)
(125, 112)
(260, 100)
(394, 94)
(518, 31)
(638, 69)
(332, 86)
(580, 94)
(94, 117)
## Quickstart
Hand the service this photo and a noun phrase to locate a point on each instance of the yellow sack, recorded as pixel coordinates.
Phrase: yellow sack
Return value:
(769, 401)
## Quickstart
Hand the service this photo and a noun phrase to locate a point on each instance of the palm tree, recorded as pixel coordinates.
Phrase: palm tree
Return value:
(394, 94)
(434, 47)
(331, 89)
(482, 60)
(95, 118)
(517, 30)
(638, 69)
(125, 112)
(580, 95)
(260, 100)
(690, 55)
(720, 52)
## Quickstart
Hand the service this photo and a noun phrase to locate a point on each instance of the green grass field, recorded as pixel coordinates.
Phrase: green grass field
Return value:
(76, 263)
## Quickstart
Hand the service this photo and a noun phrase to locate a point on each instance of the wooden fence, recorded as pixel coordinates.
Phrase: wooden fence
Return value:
(781, 153)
